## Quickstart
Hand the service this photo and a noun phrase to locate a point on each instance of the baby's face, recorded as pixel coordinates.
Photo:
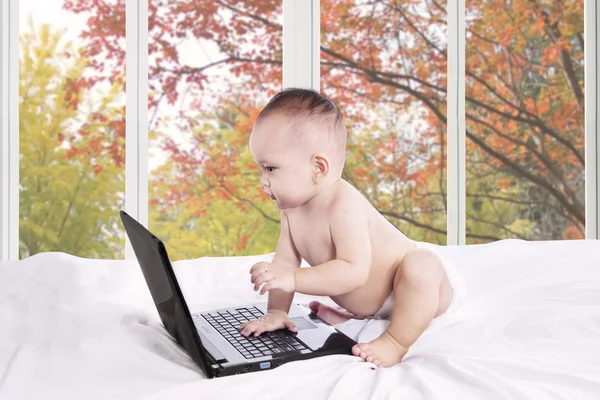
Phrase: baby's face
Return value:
(286, 168)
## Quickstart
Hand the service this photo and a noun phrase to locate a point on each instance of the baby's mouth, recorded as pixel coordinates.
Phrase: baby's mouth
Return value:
(271, 196)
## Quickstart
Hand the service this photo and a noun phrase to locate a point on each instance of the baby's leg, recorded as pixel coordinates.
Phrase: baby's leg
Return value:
(422, 291)
(331, 315)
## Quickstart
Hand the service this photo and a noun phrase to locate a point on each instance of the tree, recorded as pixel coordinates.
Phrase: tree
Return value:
(381, 59)
(524, 88)
(71, 179)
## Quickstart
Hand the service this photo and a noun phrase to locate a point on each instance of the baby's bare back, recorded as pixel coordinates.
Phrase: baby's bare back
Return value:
(311, 234)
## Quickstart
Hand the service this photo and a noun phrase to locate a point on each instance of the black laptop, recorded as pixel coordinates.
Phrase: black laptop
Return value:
(212, 338)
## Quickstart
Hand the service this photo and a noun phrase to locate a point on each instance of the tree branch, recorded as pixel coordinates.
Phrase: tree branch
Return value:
(432, 228)
(570, 207)
(249, 202)
(536, 122)
(514, 201)
(542, 157)
(349, 64)
(497, 225)
(555, 35)
(421, 34)
(533, 119)
(248, 14)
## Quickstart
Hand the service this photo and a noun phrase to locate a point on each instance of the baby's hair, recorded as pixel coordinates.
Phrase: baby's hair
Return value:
(306, 104)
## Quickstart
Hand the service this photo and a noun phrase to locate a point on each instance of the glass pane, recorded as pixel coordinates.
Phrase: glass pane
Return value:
(384, 64)
(72, 132)
(211, 70)
(525, 121)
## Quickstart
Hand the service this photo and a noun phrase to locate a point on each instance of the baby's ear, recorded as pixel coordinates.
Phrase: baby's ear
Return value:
(320, 163)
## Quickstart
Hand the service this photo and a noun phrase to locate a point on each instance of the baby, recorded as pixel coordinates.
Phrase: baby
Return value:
(357, 257)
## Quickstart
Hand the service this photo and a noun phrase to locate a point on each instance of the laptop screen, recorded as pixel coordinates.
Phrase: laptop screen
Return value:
(160, 278)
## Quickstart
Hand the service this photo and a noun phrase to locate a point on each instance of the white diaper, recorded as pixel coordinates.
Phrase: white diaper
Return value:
(353, 327)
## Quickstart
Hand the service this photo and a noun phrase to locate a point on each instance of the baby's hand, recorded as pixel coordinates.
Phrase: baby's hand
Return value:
(274, 275)
(273, 320)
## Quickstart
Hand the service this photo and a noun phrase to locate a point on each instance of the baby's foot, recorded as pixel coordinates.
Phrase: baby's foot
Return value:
(385, 351)
(329, 314)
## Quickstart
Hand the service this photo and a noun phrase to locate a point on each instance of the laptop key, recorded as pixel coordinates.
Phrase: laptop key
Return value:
(287, 347)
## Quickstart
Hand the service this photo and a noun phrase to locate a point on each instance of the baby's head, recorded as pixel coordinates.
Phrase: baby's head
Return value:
(299, 142)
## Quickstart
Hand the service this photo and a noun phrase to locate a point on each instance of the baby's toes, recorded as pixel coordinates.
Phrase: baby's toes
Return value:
(361, 350)
(356, 350)
(372, 358)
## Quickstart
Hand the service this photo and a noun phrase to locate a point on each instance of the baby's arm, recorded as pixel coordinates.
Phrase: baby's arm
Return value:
(286, 254)
(286, 258)
(350, 269)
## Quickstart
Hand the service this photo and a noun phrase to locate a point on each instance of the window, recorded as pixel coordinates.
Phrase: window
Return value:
(71, 133)
(384, 64)
(211, 70)
(524, 125)
(525, 120)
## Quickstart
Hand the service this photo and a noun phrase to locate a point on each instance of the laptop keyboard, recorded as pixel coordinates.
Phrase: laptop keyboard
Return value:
(268, 343)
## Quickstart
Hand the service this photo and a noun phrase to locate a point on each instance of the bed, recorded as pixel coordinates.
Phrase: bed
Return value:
(529, 328)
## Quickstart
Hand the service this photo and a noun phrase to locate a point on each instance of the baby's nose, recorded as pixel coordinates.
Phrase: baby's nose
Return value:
(264, 181)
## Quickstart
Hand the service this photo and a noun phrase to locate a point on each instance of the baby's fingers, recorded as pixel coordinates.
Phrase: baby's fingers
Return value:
(258, 266)
(249, 325)
(262, 279)
(271, 284)
(248, 328)
(245, 324)
(266, 327)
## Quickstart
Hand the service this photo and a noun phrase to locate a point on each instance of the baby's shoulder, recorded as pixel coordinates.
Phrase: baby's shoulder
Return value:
(348, 198)
(348, 203)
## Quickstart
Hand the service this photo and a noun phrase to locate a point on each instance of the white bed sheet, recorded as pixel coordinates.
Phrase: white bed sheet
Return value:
(529, 328)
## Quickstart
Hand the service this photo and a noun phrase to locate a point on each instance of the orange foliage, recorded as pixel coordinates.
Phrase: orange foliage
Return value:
(524, 75)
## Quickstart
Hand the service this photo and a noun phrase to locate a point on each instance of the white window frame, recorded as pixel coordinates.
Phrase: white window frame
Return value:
(9, 121)
(301, 57)
(301, 68)
(592, 130)
(456, 122)
(136, 106)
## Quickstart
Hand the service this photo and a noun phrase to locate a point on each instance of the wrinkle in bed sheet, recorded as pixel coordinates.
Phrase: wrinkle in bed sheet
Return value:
(72, 328)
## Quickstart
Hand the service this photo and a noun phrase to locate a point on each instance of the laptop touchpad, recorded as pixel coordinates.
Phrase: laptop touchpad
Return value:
(302, 323)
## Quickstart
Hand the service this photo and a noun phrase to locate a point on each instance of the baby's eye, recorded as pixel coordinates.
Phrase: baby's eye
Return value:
(270, 169)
